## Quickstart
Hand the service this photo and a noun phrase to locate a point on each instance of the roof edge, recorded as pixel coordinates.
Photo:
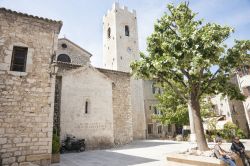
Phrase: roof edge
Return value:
(64, 38)
(113, 71)
(60, 23)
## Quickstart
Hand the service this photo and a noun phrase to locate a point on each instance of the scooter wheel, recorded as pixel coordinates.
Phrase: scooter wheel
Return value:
(62, 150)
(82, 149)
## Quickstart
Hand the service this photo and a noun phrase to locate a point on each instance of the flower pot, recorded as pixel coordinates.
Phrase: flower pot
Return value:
(55, 158)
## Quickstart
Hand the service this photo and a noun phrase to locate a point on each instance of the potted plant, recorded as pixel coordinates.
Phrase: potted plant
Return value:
(55, 149)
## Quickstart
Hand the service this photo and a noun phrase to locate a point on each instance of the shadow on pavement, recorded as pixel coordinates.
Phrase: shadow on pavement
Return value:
(145, 144)
(100, 158)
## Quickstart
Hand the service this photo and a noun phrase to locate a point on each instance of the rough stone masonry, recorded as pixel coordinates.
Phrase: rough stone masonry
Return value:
(26, 98)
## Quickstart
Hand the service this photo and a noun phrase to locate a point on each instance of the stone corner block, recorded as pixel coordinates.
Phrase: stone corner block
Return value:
(38, 157)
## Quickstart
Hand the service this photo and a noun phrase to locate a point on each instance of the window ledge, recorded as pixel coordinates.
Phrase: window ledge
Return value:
(17, 73)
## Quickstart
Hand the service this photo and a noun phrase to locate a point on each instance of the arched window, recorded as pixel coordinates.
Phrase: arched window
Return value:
(109, 32)
(126, 30)
(63, 58)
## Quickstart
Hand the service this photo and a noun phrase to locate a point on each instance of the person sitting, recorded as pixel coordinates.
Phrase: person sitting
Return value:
(222, 154)
(238, 148)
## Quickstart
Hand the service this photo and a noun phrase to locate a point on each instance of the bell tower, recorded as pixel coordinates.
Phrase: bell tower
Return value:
(120, 38)
(120, 48)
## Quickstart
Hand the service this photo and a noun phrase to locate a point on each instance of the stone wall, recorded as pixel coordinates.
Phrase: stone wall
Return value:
(26, 98)
(122, 110)
(237, 110)
(238, 115)
(79, 86)
(77, 54)
(61, 68)
(137, 101)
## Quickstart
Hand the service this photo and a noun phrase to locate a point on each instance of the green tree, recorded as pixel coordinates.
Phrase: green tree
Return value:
(182, 51)
(173, 108)
(206, 108)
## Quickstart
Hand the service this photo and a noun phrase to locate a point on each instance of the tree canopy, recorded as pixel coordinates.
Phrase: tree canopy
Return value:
(182, 53)
(174, 110)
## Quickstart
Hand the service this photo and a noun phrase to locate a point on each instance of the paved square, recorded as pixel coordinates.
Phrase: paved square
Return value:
(138, 153)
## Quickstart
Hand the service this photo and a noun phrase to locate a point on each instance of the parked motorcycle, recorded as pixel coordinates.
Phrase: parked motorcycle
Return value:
(73, 144)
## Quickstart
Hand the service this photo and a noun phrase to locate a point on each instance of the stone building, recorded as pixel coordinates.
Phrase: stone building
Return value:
(27, 44)
(104, 106)
(232, 110)
(243, 78)
(91, 103)
(94, 103)
(100, 105)
(154, 129)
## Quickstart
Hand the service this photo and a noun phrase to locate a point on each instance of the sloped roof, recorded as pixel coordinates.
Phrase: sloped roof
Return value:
(68, 63)
(64, 38)
(112, 71)
(84, 68)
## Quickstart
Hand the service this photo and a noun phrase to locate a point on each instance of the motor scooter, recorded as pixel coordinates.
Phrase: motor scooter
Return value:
(72, 144)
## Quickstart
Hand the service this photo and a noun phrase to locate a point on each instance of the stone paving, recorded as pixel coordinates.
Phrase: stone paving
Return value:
(138, 153)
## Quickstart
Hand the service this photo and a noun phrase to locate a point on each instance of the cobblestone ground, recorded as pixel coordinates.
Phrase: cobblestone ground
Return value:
(138, 153)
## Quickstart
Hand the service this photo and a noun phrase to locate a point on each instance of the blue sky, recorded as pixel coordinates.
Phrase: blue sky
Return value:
(82, 19)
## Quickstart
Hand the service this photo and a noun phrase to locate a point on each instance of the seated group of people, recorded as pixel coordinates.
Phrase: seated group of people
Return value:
(237, 147)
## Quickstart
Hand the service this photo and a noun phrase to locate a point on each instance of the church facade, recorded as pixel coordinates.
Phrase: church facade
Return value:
(104, 106)
(91, 103)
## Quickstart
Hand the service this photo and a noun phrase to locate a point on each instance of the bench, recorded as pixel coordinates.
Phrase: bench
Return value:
(197, 160)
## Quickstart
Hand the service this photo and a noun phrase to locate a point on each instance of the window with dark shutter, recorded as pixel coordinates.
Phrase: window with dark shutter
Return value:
(18, 61)
(109, 33)
(153, 88)
(150, 128)
(86, 107)
(159, 129)
(126, 30)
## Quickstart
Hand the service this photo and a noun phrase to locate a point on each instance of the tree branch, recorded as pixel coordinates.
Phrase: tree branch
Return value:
(186, 73)
(180, 80)
(199, 80)
(210, 81)
(173, 31)
(177, 91)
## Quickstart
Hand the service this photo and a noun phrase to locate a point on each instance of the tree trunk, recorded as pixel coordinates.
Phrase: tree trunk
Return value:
(191, 123)
(199, 131)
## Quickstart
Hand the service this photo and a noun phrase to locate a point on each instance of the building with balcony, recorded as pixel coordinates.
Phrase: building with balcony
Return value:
(243, 77)
(234, 110)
